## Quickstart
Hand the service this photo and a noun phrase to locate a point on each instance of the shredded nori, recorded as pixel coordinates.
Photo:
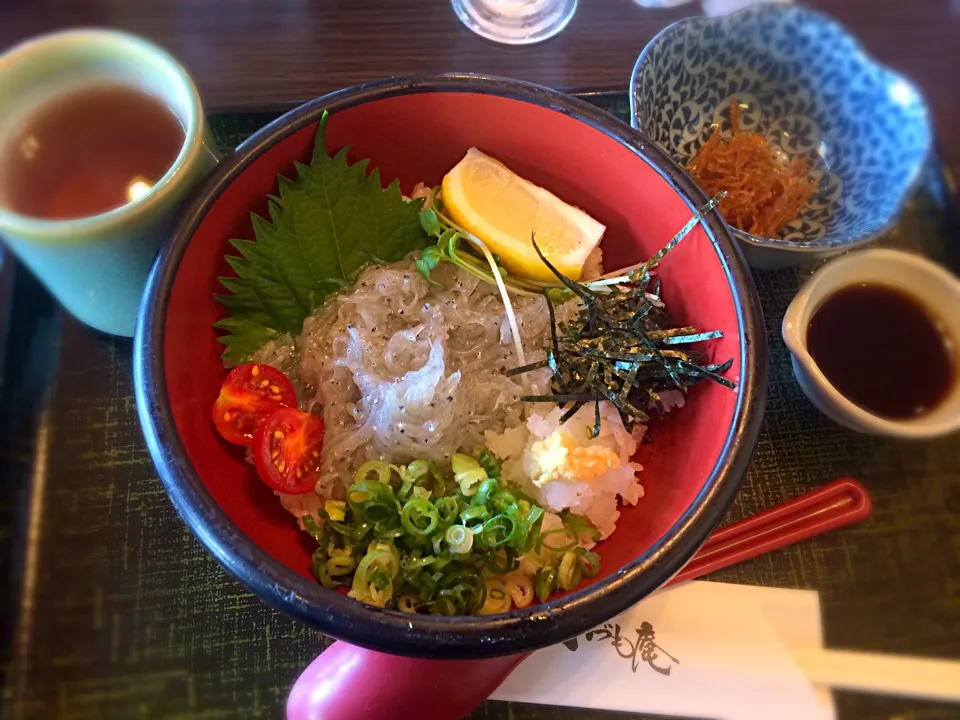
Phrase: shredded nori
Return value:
(623, 347)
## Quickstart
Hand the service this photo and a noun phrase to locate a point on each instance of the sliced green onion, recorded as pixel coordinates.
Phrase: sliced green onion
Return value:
(497, 600)
(503, 499)
(382, 470)
(387, 532)
(311, 527)
(473, 513)
(417, 470)
(375, 560)
(462, 463)
(444, 606)
(407, 604)
(467, 473)
(459, 538)
(570, 572)
(373, 502)
(563, 532)
(402, 540)
(590, 561)
(335, 509)
(578, 526)
(469, 481)
(340, 565)
(531, 525)
(488, 488)
(415, 563)
(545, 582)
(380, 596)
(419, 517)
(497, 531)
(502, 561)
(318, 563)
(490, 463)
(448, 510)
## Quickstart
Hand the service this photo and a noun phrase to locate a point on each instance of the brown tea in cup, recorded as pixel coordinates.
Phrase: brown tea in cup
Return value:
(91, 149)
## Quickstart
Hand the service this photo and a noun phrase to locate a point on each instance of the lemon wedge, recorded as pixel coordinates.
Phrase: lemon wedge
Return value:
(484, 196)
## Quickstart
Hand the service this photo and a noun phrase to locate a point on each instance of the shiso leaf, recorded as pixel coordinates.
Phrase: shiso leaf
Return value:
(322, 228)
(244, 338)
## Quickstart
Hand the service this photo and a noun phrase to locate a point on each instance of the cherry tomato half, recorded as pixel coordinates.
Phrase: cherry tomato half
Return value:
(249, 394)
(286, 451)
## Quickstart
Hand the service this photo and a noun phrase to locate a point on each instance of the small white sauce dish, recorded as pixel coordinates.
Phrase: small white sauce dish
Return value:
(932, 285)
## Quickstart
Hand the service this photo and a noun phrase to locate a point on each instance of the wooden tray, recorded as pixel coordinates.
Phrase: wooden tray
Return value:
(117, 612)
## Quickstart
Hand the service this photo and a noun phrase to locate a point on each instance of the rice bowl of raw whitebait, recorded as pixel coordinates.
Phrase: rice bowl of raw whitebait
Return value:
(419, 394)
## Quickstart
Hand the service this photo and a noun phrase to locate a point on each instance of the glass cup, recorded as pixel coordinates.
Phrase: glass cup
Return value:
(97, 266)
(515, 22)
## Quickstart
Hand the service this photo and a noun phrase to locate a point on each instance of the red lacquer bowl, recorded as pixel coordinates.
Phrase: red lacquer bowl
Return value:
(416, 129)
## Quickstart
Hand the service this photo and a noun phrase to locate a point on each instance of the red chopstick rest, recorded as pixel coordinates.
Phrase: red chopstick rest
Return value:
(350, 683)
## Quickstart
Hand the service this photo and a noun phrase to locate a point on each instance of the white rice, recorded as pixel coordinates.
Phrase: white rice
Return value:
(593, 497)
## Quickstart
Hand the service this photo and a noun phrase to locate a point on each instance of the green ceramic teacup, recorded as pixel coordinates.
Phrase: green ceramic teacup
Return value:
(97, 266)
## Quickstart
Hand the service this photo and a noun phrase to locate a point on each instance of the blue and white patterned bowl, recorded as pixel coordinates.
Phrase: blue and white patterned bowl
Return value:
(805, 83)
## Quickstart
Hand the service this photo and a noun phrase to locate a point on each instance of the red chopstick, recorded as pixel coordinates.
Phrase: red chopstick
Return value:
(835, 505)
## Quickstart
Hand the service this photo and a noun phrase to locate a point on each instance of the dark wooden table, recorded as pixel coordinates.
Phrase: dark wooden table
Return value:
(121, 614)
(252, 53)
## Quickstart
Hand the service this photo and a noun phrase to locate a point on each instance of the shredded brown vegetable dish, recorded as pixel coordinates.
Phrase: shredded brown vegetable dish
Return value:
(763, 195)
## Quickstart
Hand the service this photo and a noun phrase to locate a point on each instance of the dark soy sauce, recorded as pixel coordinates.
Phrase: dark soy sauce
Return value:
(883, 350)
